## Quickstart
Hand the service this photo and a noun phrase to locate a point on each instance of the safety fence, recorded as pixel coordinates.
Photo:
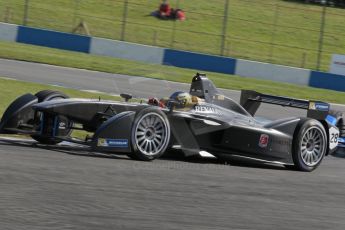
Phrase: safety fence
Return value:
(283, 32)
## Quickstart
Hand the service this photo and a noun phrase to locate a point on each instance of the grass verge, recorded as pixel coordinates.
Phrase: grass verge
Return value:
(31, 53)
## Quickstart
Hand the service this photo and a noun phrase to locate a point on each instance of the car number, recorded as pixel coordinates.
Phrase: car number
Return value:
(333, 137)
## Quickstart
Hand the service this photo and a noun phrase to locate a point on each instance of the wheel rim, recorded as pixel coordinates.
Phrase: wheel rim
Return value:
(151, 134)
(312, 146)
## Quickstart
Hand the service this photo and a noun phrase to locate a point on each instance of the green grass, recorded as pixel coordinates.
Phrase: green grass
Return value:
(106, 64)
(253, 26)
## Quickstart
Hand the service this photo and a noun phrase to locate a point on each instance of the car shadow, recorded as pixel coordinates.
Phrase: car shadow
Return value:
(340, 153)
(66, 149)
(176, 155)
(171, 155)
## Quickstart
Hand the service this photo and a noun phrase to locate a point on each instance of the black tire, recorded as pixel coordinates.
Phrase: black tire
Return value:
(340, 116)
(150, 135)
(49, 95)
(309, 145)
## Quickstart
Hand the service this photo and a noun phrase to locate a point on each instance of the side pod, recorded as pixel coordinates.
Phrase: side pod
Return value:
(114, 135)
(18, 114)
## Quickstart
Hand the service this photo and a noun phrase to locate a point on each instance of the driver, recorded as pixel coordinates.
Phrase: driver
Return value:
(186, 100)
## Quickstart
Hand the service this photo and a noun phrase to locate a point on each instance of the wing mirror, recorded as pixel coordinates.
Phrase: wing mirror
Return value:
(126, 96)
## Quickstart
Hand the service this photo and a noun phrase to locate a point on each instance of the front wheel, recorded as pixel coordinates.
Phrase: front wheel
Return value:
(47, 125)
(150, 134)
(309, 146)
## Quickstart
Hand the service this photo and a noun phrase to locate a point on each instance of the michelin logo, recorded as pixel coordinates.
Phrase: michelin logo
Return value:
(116, 143)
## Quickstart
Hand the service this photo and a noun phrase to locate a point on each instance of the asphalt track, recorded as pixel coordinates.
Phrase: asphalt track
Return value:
(71, 188)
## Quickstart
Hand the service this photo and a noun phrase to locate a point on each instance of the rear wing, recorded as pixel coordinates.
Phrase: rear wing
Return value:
(251, 100)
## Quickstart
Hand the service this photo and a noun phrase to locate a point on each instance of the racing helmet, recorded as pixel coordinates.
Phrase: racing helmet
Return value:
(183, 98)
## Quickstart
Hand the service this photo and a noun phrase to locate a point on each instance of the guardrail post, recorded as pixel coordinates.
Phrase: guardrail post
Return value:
(304, 58)
(26, 12)
(155, 37)
(76, 8)
(173, 32)
(124, 19)
(322, 30)
(276, 17)
(225, 27)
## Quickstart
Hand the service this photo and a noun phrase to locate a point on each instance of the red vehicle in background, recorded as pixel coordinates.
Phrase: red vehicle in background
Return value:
(166, 12)
(165, 9)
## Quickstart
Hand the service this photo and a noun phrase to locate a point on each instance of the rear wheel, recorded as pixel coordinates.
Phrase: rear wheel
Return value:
(48, 123)
(150, 135)
(309, 146)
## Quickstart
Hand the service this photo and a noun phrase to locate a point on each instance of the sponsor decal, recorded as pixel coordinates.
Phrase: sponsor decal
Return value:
(205, 109)
(219, 97)
(282, 142)
(263, 141)
(332, 120)
(321, 107)
(312, 106)
(116, 143)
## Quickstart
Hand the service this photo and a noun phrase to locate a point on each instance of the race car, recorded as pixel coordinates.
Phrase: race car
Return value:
(201, 120)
